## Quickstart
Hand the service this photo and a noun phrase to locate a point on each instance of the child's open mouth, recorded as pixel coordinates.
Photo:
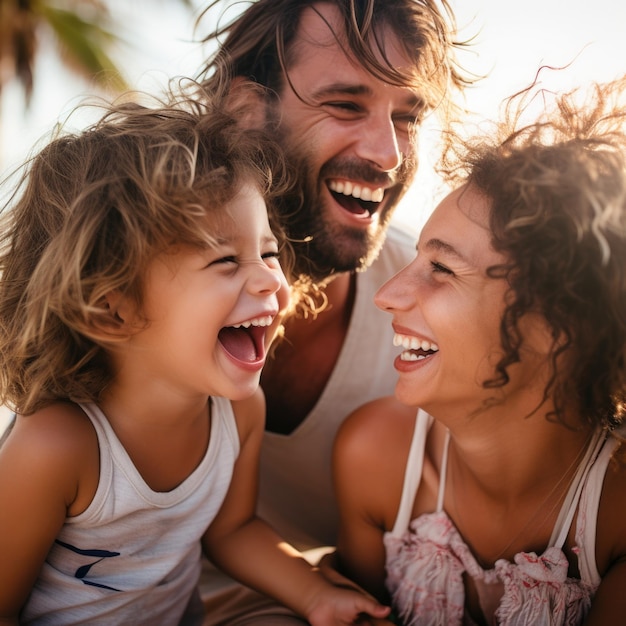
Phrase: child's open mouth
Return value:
(246, 341)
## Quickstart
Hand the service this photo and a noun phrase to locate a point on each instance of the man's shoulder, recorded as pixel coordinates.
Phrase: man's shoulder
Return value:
(399, 247)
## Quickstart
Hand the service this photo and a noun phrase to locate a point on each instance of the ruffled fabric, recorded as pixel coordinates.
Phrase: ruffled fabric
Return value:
(538, 591)
(425, 568)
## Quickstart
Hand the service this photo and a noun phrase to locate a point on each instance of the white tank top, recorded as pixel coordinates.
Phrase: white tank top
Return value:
(133, 557)
(427, 558)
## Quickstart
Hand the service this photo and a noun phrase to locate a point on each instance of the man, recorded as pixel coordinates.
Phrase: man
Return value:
(347, 84)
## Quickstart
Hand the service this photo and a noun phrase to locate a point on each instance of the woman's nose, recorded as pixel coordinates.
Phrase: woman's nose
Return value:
(395, 294)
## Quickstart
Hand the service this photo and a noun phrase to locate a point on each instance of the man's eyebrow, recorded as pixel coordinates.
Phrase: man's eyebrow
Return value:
(349, 89)
(342, 88)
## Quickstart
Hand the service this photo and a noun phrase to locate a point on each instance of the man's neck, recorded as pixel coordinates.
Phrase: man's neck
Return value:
(295, 377)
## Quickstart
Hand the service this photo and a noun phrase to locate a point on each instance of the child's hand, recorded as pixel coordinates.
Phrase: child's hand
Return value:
(368, 617)
(339, 605)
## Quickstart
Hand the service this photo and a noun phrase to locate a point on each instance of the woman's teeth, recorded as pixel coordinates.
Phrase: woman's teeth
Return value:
(414, 349)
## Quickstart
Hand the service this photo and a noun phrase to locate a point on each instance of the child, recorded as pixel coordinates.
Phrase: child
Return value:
(141, 289)
(503, 500)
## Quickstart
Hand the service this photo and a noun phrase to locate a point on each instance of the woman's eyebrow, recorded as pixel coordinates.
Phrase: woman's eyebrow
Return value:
(441, 246)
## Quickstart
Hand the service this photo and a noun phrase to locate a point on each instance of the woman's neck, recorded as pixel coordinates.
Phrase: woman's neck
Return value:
(508, 454)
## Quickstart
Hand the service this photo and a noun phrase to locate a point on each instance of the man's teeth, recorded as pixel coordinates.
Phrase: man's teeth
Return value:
(413, 343)
(257, 321)
(357, 191)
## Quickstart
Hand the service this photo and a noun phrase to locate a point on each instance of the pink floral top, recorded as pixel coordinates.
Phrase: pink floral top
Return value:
(427, 557)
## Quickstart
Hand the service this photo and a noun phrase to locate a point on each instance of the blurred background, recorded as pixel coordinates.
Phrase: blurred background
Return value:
(54, 53)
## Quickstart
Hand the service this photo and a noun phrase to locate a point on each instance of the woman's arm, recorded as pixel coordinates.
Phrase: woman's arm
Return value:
(47, 467)
(368, 467)
(609, 603)
(248, 549)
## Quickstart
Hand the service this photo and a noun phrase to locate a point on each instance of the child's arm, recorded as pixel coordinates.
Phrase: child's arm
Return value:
(46, 470)
(249, 550)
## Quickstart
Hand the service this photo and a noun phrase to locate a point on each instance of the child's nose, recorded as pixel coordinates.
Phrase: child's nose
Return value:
(266, 280)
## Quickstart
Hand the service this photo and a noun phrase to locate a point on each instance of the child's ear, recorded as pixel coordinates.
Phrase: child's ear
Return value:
(118, 314)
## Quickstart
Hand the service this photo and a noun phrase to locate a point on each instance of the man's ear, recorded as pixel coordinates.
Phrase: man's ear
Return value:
(246, 101)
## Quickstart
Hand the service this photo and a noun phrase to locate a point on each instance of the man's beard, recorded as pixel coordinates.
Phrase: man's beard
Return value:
(322, 246)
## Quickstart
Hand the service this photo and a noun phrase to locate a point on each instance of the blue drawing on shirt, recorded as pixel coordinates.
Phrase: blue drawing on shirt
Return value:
(83, 570)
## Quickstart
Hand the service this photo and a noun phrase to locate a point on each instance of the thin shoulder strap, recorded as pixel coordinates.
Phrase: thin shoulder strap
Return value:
(412, 473)
(587, 518)
(443, 473)
(568, 510)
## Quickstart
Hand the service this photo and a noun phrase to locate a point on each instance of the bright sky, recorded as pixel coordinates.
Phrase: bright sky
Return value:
(513, 39)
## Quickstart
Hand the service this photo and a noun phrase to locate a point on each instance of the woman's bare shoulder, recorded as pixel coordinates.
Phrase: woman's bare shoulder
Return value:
(378, 425)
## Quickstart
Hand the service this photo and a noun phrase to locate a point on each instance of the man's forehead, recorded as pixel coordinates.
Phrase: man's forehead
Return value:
(321, 26)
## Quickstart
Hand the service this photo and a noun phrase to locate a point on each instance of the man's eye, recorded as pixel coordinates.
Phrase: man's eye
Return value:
(440, 269)
(410, 121)
(344, 106)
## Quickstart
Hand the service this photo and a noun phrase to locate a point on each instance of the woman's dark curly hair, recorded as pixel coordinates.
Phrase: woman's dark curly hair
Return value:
(557, 192)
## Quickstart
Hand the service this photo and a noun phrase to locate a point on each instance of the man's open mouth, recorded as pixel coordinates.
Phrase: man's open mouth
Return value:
(356, 198)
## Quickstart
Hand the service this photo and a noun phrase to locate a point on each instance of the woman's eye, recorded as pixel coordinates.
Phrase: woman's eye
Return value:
(441, 269)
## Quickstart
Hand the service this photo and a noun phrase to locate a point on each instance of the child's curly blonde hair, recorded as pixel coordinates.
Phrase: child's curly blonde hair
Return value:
(89, 214)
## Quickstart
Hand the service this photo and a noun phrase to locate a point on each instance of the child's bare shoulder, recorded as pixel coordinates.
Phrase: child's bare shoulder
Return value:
(56, 429)
(56, 443)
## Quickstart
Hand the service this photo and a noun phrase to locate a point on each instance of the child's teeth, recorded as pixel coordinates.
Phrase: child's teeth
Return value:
(257, 321)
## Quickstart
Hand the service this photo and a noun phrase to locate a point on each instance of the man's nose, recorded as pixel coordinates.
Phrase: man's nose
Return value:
(379, 144)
